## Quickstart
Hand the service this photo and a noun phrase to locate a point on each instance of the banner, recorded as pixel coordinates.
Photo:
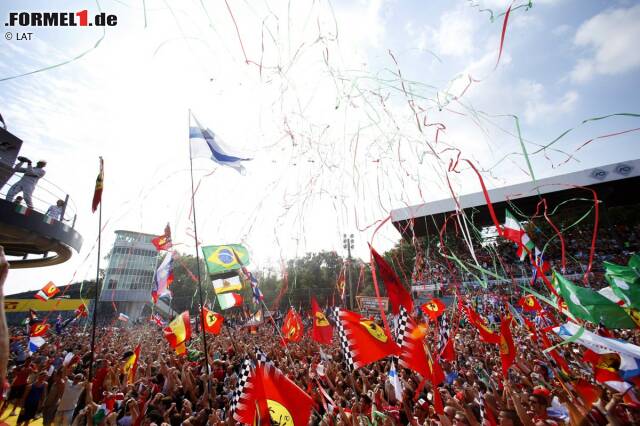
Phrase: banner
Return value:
(23, 305)
(369, 304)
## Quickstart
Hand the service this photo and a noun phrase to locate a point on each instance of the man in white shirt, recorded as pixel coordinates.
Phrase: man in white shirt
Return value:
(55, 212)
(69, 400)
(28, 182)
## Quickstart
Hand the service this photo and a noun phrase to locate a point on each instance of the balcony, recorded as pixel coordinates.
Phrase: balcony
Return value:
(31, 238)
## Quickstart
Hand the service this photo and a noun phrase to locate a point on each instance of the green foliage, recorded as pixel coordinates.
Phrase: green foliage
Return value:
(314, 274)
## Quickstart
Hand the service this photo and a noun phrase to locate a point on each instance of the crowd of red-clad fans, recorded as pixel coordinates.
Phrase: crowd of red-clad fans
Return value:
(460, 379)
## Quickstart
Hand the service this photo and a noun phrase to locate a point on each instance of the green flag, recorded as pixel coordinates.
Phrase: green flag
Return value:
(626, 273)
(634, 262)
(222, 259)
(628, 292)
(625, 281)
(591, 306)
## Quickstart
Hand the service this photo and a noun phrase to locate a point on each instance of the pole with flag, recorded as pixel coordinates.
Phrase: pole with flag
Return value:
(96, 204)
(195, 236)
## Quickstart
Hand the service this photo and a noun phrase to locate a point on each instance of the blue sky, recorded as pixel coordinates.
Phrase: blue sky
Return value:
(333, 136)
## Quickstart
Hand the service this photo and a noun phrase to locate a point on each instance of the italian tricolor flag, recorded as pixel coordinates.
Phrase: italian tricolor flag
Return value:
(513, 231)
(229, 300)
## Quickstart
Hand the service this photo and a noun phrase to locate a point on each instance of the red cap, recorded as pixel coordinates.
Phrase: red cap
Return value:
(542, 391)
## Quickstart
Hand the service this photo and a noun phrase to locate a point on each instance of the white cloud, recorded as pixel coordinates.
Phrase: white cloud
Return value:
(612, 36)
(537, 108)
(454, 36)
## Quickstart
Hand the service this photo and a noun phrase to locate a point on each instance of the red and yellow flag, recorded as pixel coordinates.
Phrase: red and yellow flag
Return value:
(48, 291)
(433, 308)
(507, 347)
(179, 330)
(163, 242)
(131, 366)
(97, 193)
(292, 327)
(212, 321)
(322, 332)
(272, 398)
(367, 342)
(529, 303)
(38, 330)
(486, 334)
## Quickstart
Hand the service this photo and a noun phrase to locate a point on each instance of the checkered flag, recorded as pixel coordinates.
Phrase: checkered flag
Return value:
(245, 373)
(443, 328)
(403, 324)
(344, 342)
(261, 357)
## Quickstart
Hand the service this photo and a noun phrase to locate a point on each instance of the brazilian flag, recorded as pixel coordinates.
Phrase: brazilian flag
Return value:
(221, 259)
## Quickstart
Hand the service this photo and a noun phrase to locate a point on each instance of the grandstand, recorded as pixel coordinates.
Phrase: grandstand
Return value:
(570, 206)
(614, 184)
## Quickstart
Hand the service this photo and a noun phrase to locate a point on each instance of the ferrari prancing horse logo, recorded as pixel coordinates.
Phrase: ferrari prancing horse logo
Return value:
(375, 330)
(321, 320)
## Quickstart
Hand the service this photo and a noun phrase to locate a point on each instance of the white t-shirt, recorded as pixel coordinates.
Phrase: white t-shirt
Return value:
(70, 396)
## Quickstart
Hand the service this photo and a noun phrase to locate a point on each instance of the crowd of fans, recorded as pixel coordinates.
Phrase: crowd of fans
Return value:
(191, 389)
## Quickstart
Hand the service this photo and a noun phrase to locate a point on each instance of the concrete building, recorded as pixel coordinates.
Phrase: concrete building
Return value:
(129, 276)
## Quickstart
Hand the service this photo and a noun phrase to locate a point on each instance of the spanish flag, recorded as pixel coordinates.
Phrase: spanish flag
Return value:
(97, 193)
(48, 291)
(131, 366)
(179, 330)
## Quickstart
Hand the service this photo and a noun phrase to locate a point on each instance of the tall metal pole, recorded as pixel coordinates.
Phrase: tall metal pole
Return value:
(195, 236)
(348, 244)
(97, 296)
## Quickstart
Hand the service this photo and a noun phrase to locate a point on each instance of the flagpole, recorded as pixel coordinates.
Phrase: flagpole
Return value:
(95, 301)
(195, 236)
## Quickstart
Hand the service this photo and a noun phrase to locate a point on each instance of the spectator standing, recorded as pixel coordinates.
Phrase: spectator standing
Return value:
(26, 184)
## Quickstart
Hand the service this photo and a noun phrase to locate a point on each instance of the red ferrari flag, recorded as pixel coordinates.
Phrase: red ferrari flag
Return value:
(486, 334)
(163, 242)
(270, 398)
(322, 332)
(38, 330)
(412, 352)
(97, 193)
(529, 303)
(292, 327)
(398, 295)
(48, 291)
(212, 321)
(507, 347)
(179, 330)
(433, 308)
(363, 341)
(81, 311)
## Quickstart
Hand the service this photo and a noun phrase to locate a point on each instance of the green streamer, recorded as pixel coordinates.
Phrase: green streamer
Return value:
(571, 339)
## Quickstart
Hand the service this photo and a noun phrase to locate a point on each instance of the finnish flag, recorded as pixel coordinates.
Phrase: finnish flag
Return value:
(205, 143)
